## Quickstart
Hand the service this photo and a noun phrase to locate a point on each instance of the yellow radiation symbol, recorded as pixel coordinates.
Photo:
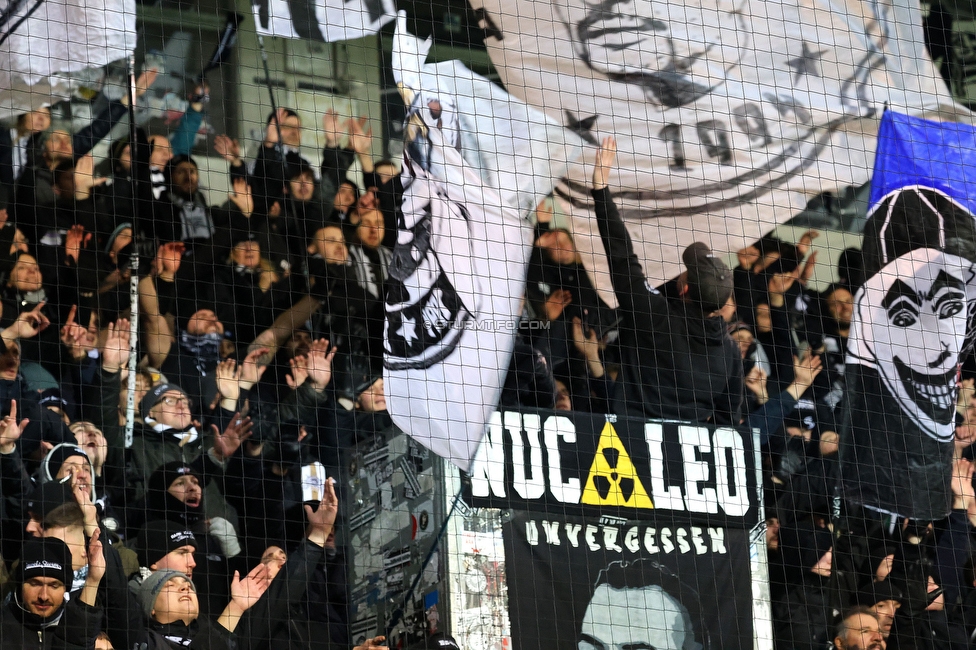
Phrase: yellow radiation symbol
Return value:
(613, 478)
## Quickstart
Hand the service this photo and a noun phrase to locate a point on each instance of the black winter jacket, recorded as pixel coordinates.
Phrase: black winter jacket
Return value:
(677, 363)
(75, 630)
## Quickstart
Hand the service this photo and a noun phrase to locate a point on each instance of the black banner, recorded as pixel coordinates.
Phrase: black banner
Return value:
(586, 583)
(578, 464)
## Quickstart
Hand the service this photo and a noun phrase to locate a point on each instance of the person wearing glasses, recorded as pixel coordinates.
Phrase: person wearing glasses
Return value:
(859, 630)
(169, 434)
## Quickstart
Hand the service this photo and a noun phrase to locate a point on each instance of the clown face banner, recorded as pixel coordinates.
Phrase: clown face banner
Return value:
(913, 320)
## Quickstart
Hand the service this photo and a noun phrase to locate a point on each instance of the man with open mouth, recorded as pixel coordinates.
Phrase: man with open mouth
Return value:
(175, 494)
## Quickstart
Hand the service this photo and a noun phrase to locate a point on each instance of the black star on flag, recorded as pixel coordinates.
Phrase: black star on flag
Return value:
(806, 63)
(487, 24)
(583, 128)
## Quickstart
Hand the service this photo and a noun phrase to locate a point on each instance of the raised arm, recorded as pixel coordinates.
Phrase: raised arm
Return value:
(186, 132)
(85, 140)
(244, 594)
(635, 296)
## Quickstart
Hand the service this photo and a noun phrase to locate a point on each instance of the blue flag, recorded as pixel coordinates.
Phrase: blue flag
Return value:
(913, 322)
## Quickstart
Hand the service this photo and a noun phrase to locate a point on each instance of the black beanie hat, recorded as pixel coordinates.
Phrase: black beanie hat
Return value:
(48, 557)
(48, 496)
(55, 459)
(162, 478)
(709, 279)
(876, 592)
(155, 395)
(160, 504)
(161, 537)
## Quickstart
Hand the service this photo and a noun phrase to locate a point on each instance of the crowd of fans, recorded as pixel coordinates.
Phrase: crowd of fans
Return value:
(260, 348)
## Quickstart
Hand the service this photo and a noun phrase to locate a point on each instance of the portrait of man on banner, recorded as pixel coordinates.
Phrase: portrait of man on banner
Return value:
(642, 604)
(589, 583)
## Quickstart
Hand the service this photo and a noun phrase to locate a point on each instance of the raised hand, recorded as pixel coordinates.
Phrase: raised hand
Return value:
(267, 279)
(96, 558)
(227, 148)
(115, 351)
(962, 484)
(322, 520)
(227, 443)
(143, 82)
(82, 493)
(96, 569)
(74, 240)
(84, 177)
(360, 135)
(228, 384)
(748, 256)
(299, 371)
(368, 200)
(803, 246)
(967, 390)
(29, 323)
(330, 124)
(11, 430)
(241, 196)
(245, 593)
(604, 162)
(252, 369)
(168, 259)
(808, 267)
(271, 133)
(756, 382)
(805, 370)
(319, 364)
(557, 301)
(78, 340)
(588, 345)
(544, 212)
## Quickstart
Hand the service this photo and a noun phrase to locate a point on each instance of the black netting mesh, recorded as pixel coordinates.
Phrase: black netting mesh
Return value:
(494, 324)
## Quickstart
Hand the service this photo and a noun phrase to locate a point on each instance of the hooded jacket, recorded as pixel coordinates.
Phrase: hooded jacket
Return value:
(677, 362)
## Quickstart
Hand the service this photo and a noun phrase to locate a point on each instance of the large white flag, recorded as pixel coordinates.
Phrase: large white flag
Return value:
(43, 41)
(322, 20)
(476, 161)
(729, 114)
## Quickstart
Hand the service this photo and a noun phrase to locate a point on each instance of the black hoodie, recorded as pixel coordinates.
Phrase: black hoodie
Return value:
(677, 363)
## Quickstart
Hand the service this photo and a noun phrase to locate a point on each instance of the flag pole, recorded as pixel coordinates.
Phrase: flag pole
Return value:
(130, 402)
(279, 147)
(398, 613)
